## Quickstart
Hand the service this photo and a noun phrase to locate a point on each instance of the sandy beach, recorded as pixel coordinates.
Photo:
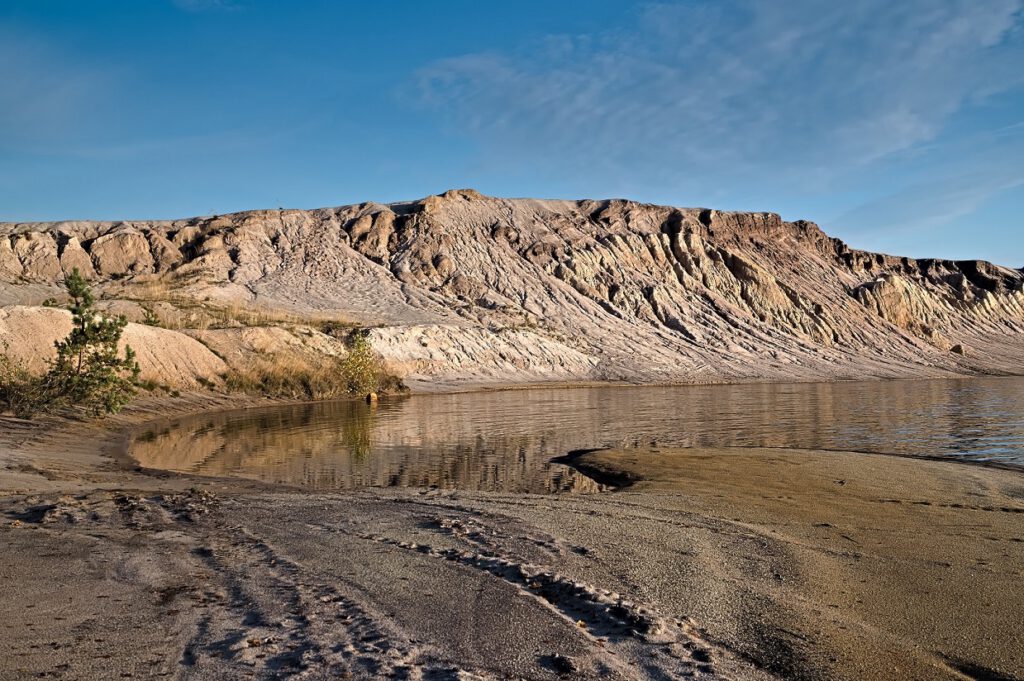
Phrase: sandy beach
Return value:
(704, 563)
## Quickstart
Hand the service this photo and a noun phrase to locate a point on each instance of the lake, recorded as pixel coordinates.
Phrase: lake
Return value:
(504, 441)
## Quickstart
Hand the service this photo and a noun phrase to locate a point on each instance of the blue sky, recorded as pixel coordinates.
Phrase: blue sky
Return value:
(897, 126)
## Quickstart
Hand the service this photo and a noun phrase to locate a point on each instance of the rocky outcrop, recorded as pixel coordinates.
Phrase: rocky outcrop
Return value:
(461, 288)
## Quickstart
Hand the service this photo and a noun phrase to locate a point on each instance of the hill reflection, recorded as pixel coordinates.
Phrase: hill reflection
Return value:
(504, 441)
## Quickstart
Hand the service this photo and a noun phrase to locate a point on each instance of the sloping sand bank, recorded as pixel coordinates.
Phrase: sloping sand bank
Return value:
(747, 564)
(884, 567)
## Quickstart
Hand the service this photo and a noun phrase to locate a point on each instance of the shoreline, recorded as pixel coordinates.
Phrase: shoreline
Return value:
(142, 412)
(571, 385)
(655, 578)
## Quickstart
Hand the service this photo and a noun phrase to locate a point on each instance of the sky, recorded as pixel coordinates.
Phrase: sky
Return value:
(896, 126)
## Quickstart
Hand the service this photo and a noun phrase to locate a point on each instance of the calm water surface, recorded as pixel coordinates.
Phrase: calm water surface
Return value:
(505, 440)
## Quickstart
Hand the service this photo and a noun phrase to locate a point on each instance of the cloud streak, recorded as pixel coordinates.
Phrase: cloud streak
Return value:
(713, 92)
(921, 207)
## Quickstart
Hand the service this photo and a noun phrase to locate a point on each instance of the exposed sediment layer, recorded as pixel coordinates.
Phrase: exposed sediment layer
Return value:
(462, 288)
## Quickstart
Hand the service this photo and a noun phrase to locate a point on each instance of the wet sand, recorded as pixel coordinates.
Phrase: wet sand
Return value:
(877, 566)
(746, 564)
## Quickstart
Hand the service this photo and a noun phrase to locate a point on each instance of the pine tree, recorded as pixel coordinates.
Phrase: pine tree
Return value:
(89, 372)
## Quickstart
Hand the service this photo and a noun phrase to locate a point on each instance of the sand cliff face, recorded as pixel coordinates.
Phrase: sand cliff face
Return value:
(462, 288)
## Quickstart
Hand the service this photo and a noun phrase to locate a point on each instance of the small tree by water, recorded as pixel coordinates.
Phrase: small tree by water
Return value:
(89, 371)
(361, 369)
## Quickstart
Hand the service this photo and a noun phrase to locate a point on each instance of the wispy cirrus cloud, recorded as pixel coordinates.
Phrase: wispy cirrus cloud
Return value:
(965, 174)
(716, 92)
(920, 207)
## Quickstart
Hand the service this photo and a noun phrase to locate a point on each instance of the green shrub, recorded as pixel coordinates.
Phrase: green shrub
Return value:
(361, 370)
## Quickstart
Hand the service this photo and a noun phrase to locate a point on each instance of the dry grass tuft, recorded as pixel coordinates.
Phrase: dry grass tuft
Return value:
(359, 372)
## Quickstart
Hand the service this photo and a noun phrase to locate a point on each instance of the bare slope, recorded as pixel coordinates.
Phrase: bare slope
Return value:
(463, 288)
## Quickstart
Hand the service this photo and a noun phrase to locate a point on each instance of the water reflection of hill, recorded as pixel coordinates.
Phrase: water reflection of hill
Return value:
(504, 441)
(347, 445)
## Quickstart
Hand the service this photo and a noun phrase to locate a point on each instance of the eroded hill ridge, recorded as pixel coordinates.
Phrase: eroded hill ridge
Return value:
(467, 289)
